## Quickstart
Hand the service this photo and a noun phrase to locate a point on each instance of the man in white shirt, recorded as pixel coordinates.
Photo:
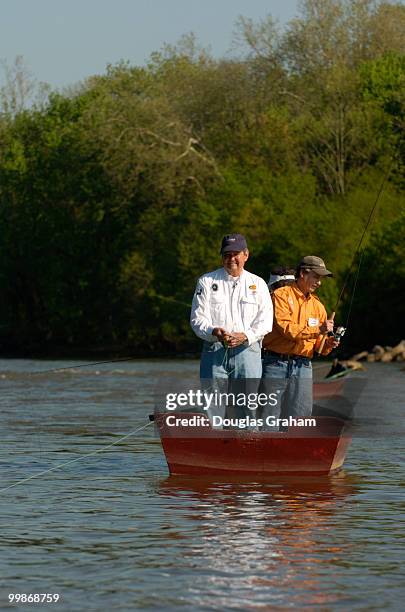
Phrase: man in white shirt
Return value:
(231, 311)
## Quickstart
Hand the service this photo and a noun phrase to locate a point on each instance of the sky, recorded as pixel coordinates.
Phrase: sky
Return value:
(64, 41)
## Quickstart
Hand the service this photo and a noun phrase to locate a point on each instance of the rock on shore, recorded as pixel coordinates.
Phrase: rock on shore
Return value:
(384, 354)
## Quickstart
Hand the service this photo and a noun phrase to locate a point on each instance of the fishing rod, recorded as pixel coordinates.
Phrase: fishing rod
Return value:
(341, 330)
(362, 238)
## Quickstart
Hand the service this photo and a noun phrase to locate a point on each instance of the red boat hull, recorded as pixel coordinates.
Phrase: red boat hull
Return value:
(328, 388)
(302, 450)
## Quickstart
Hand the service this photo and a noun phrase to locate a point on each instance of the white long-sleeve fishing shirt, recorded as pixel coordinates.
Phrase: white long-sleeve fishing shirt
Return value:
(237, 304)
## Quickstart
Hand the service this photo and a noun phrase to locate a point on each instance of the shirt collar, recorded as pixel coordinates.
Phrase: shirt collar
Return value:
(233, 279)
(299, 293)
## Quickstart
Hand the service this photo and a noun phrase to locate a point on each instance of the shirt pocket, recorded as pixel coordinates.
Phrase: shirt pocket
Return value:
(217, 310)
(249, 308)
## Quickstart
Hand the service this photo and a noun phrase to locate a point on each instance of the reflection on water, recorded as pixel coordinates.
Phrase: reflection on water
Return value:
(114, 531)
(267, 541)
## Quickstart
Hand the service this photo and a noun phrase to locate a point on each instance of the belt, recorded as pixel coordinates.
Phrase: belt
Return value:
(284, 356)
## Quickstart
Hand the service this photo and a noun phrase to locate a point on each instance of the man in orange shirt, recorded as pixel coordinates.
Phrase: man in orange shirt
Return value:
(300, 321)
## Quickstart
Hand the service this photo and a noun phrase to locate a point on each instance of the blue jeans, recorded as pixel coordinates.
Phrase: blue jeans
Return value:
(234, 371)
(240, 362)
(291, 380)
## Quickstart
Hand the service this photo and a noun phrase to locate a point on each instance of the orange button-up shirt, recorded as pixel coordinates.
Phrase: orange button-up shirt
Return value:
(296, 322)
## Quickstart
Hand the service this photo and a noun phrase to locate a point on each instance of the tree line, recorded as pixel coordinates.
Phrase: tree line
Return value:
(114, 195)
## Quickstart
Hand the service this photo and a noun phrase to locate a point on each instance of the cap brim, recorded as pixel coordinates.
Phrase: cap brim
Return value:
(322, 271)
(229, 248)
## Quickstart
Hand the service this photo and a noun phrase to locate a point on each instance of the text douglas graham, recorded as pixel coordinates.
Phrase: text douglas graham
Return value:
(217, 421)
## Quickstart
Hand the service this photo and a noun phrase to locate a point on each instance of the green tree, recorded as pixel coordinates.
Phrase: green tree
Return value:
(383, 84)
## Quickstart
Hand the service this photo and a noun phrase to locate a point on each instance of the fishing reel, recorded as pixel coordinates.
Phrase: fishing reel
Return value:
(339, 333)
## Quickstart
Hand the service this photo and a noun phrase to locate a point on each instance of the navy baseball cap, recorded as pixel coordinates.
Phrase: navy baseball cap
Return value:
(233, 242)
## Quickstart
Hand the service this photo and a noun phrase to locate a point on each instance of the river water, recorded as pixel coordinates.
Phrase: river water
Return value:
(113, 530)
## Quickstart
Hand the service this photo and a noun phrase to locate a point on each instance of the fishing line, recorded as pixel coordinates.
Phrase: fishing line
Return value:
(222, 365)
(362, 238)
(165, 298)
(62, 465)
(354, 289)
(118, 360)
(104, 448)
(82, 365)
